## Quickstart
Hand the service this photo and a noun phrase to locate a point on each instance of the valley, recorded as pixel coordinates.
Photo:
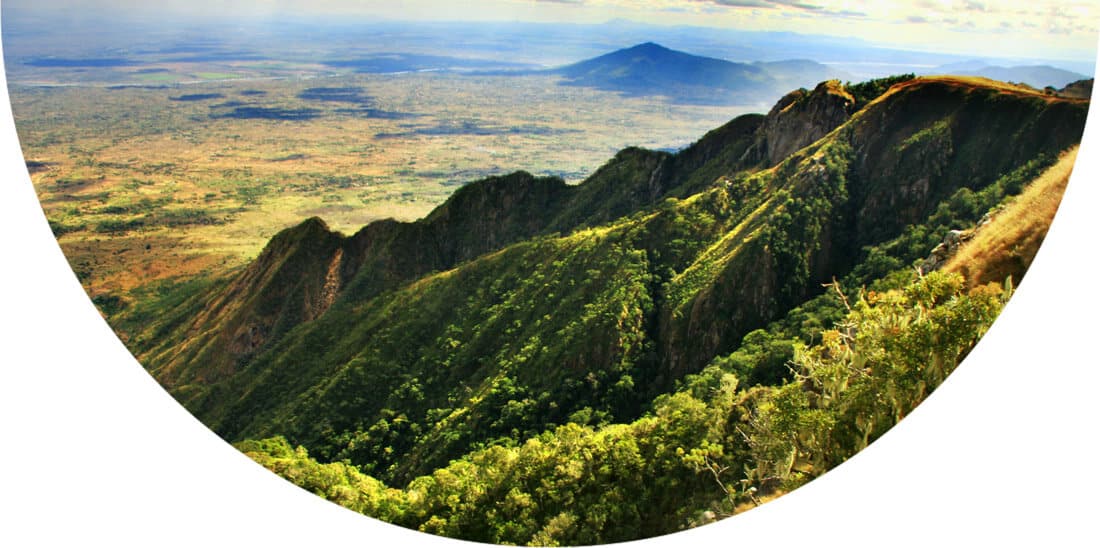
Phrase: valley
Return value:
(151, 183)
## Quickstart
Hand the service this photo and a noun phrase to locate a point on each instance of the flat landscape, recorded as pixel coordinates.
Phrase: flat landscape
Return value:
(144, 183)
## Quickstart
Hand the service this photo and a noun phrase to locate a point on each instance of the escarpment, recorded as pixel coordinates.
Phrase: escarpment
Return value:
(523, 302)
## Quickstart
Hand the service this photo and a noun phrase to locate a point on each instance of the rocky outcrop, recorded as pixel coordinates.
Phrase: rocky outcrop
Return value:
(946, 249)
(800, 118)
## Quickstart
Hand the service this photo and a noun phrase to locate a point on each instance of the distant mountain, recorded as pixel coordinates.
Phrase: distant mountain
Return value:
(963, 66)
(1038, 76)
(801, 73)
(652, 69)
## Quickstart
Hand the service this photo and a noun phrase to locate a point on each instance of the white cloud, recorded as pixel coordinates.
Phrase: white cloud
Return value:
(1039, 26)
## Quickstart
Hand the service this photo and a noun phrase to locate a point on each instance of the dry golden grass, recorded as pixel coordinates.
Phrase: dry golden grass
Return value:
(975, 83)
(1007, 245)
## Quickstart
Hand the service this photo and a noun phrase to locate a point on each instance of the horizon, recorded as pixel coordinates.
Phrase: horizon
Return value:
(1042, 29)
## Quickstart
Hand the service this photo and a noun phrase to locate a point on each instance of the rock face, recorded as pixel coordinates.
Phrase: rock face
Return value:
(947, 249)
(800, 118)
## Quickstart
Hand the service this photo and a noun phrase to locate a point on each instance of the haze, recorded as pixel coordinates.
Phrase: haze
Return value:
(1026, 29)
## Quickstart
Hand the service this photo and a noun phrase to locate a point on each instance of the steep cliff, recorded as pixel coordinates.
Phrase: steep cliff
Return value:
(800, 118)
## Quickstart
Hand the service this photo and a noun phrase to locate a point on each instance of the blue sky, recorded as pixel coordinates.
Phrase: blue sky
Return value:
(1023, 28)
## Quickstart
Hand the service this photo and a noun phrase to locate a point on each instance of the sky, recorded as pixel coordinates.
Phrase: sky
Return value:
(1021, 28)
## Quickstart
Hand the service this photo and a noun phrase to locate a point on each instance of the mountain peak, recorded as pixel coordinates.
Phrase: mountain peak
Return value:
(649, 46)
(652, 69)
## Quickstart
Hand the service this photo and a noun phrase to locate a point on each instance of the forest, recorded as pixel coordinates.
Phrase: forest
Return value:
(680, 337)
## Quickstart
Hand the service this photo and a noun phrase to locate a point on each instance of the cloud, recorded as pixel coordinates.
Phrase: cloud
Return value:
(769, 4)
(848, 13)
(975, 6)
(916, 19)
(785, 5)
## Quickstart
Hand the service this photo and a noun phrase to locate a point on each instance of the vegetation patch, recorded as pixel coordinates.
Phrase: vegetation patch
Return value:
(269, 113)
(337, 95)
(197, 97)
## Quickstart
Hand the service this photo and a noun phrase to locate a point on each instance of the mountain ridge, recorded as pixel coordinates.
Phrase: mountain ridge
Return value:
(582, 304)
(1038, 76)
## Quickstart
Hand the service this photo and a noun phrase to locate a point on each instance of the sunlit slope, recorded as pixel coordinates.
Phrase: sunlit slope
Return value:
(720, 444)
(523, 303)
(1005, 246)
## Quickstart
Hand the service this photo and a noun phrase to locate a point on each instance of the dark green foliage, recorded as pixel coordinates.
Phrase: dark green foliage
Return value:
(708, 447)
(517, 341)
(60, 228)
(109, 305)
(865, 92)
(796, 233)
(961, 210)
(145, 316)
(543, 363)
(115, 226)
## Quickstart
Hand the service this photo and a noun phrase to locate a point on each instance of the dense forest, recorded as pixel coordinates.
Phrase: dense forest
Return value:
(680, 337)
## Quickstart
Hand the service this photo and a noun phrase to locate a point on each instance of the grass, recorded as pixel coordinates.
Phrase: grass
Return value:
(1008, 243)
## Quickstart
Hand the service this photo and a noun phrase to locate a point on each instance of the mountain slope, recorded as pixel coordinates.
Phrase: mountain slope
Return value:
(297, 278)
(1081, 89)
(717, 445)
(1004, 245)
(522, 303)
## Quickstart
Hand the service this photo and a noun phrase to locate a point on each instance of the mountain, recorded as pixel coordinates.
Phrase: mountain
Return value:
(535, 362)
(960, 67)
(652, 69)
(800, 73)
(1038, 76)
(1081, 89)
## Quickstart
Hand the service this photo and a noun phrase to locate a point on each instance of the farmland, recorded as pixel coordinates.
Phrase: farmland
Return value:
(164, 178)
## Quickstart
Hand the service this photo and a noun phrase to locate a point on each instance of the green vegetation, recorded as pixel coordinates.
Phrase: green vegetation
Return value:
(664, 344)
(865, 92)
(701, 452)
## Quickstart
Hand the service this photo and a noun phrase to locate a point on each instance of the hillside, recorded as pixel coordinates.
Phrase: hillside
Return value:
(1081, 89)
(652, 69)
(627, 337)
(1004, 244)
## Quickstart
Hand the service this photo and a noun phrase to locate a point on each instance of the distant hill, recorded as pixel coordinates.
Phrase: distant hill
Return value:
(652, 69)
(1081, 89)
(1038, 76)
(801, 73)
